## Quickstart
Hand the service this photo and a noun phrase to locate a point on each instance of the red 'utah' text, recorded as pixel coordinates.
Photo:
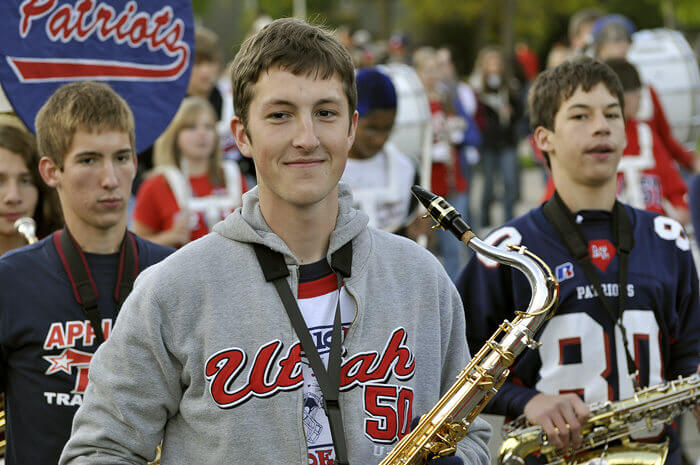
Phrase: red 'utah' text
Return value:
(270, 374)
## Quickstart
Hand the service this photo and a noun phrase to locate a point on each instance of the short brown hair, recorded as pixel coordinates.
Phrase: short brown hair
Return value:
(553, 86)
(627, 72)
(206, 45)
(82, 105)
(297, 47)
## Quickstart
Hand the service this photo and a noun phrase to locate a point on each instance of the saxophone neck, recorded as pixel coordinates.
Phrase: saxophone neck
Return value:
(542, 283)
(544, 287)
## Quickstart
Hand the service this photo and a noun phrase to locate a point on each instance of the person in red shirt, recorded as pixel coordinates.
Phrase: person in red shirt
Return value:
(647, 177)
(612, 39)
(191, 187)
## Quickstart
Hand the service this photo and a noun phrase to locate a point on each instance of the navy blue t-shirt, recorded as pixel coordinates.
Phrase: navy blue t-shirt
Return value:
(47, 344)
(581, 349)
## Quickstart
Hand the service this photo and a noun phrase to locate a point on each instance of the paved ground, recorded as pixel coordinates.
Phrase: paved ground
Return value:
(532, 186)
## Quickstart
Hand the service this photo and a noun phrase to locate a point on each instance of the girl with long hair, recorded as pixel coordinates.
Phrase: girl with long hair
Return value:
(191, 187)
(22, 192)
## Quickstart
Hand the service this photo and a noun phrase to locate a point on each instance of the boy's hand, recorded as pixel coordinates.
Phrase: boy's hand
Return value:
(560, 416)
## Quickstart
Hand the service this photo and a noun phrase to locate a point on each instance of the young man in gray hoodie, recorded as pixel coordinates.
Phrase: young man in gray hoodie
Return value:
(205, 357)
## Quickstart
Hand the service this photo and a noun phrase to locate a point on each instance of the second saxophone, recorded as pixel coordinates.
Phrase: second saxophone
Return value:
(609, 422)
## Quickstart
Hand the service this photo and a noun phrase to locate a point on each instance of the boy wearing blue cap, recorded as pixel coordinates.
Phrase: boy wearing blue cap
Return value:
(379, 175)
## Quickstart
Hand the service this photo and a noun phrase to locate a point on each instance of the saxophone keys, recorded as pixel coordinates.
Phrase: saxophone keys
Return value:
(532, 344)
(447, 451)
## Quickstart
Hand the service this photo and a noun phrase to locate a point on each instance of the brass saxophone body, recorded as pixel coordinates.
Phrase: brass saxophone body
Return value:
(447, 423)
(609, 421)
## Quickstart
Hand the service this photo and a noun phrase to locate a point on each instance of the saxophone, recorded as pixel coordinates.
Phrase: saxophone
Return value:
(645, 411)
(439, 430)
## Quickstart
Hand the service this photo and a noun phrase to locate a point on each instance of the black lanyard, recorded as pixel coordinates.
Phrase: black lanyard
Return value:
(275, 269)
(571, 235)
(84, 287)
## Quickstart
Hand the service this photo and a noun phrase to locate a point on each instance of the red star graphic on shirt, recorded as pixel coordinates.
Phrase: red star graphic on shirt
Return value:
(66, 360)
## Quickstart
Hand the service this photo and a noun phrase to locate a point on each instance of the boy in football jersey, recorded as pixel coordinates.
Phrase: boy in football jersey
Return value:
(292, 334)
(628, 312)
(59, 297)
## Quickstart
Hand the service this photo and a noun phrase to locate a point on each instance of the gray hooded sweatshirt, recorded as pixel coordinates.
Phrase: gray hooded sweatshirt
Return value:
(204, 357)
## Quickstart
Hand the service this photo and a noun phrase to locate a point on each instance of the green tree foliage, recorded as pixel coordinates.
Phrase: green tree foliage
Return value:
(200, 7)
(688, 13)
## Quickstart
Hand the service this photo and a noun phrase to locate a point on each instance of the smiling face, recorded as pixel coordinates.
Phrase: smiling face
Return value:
(94, 184)
(587, 141)
(18, 194)
(298, 133)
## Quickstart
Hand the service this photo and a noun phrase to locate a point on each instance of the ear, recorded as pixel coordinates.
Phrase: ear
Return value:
(353, 129)
(242, 140)
(49, 171)
(543, 139)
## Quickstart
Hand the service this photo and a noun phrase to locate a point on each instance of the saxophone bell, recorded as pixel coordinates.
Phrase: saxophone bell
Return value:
(26, 226)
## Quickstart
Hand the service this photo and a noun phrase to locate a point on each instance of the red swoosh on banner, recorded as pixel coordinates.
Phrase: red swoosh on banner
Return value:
(30, 70)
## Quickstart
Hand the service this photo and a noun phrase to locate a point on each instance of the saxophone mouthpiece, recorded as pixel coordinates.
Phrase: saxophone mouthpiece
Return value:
(444, 214)
(26, 226)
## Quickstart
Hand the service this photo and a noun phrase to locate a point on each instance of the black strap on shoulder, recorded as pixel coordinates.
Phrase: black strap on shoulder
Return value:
(128, 269)
(84, 287)
(564, 223)
(275, 270)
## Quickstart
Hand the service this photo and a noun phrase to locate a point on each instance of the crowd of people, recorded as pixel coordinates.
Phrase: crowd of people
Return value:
(295, 324)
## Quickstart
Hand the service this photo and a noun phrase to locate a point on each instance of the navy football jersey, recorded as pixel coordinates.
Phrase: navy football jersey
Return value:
(47, 342)
(582, 350)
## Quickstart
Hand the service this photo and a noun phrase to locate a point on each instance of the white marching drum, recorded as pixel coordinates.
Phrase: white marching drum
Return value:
(412, 132)
(666, 61)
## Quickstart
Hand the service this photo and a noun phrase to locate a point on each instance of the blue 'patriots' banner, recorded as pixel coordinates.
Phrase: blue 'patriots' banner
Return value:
(142, 49)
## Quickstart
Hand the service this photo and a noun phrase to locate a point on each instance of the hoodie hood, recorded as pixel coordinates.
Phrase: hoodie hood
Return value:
(247, 224)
